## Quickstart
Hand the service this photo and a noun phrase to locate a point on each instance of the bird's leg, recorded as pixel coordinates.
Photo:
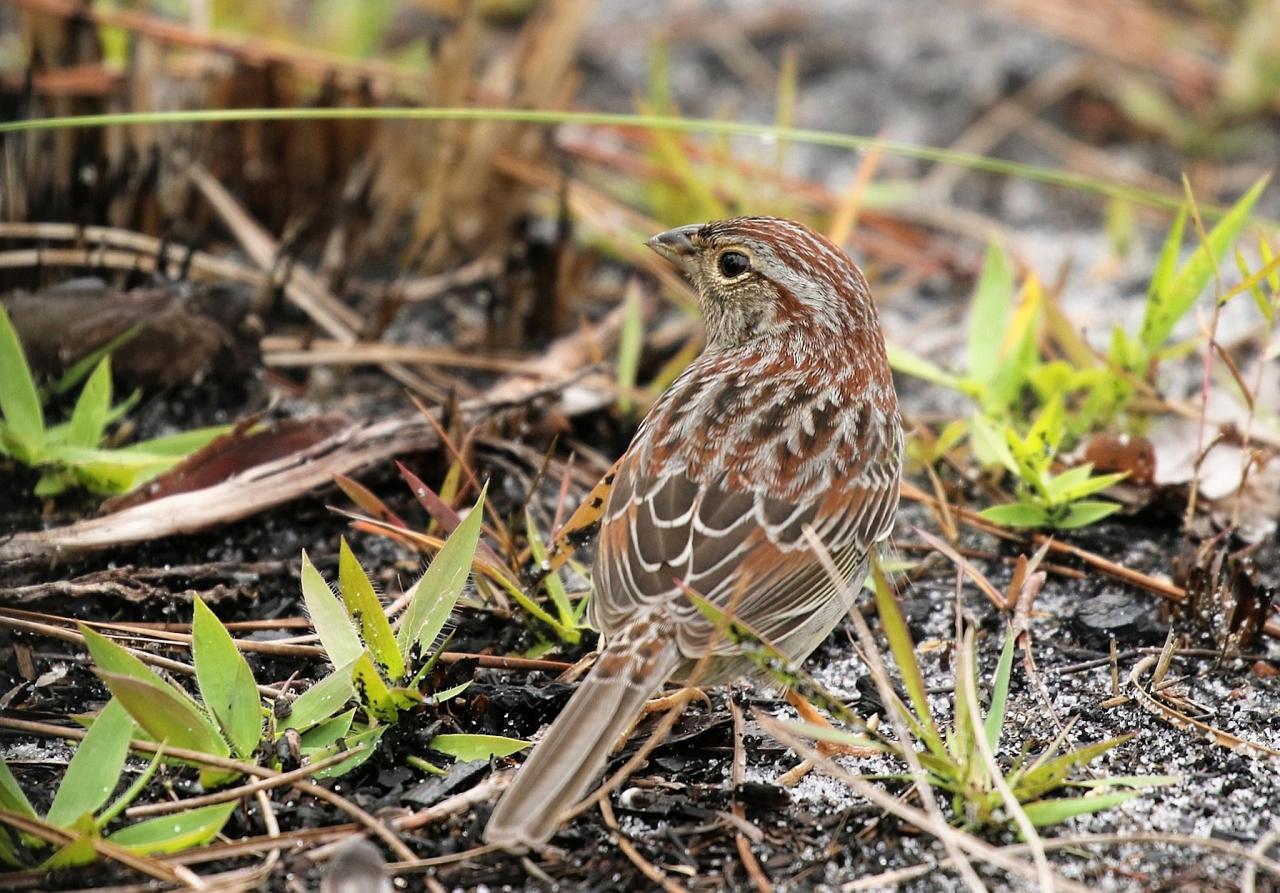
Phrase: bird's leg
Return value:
(677, 699)
(814, 716)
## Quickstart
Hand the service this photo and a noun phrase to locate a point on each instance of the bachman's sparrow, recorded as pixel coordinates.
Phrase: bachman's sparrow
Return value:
(787, 419)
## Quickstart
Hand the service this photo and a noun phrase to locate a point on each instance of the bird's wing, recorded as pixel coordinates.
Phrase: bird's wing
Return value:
(742, 549)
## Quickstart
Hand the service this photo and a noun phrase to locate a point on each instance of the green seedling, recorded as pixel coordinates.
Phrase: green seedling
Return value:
(1045, 499)
(81, 809)
(951, 757)
(226, 722)
(564, 622)
(71, 453)
(388, 670)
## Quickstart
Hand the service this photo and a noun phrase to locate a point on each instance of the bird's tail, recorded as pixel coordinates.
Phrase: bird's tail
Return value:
(572, 753)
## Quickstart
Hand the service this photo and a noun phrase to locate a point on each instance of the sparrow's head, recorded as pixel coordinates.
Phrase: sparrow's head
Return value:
(765, 277)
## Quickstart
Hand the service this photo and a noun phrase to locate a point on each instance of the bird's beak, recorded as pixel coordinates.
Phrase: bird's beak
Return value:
(678, 246)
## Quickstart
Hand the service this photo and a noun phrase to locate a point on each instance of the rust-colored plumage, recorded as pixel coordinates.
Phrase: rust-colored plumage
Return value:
(788, 419)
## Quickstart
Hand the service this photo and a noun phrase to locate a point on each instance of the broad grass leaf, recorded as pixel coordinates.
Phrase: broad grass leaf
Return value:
(1018, 352)
(994, 721)
(79, 852)
(1052, 812)
(904, 654)
(989, 312)
(1046, 775)
(167, 713)
(368, 737)
(1167, 262)
(94, 770)
(89, 418)
(11, 796)
(1172, 295)
(630, 345)
(328, 617)
(367, 613)
(327, 733)
(450, 693)
(23, 429)
(1082, 514)
(174, 833)
(226, 682)
(554, 585)
(469, 748)
(90, 361)
(990, 447)
(1016, 514)
(321, 701)
(178, 446)
(437, 591)
(372, 691)
(905, 362)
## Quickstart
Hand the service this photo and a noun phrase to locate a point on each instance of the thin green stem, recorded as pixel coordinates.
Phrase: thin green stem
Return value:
(1067, 179)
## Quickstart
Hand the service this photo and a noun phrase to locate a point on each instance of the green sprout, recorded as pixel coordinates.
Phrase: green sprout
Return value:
(71, 453)
(954, 760)
(80, 809)
(388, 670)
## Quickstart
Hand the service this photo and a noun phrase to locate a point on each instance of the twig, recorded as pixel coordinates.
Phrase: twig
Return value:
(63, 837)
(204, 759)
(999, 857)
(1152, 584)
(875, 663)
(1222, 738)
(965, 689)
(647, 868)
(1226, 847)
(1248, 878)
(264, 784)
(749, 860)
(282, 480)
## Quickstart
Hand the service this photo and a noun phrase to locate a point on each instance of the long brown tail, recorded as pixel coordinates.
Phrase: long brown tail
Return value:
(572, 753)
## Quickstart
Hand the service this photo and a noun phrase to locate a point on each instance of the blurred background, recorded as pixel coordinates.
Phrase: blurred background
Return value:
(1043, 195)
(1125, 94)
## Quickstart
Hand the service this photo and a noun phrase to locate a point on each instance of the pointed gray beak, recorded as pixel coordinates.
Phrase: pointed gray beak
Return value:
(678, 246)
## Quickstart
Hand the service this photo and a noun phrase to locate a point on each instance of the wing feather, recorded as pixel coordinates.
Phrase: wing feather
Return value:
(740, 548)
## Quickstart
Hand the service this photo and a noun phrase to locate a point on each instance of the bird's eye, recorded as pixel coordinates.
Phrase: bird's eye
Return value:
(733, 264)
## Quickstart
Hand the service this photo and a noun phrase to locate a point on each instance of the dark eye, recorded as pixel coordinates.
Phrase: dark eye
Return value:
(733, 264)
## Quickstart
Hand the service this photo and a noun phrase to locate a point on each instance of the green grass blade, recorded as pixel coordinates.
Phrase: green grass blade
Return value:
(175, 833)
(904, 654)
(1052, 812)
(90, 361)
(630, 345)
(23, 430)
(999, 694)
(552, 582)
(469, 748)
(906, 363)
(367, 613)
(321, 701)
(328, 617)
(94, 770)
(226, 682)
(438, 590)
(89, 418)
(1179, 291)
(164, 711)
(121, 803)
(544, 117)
(989, 314)
(12, 797)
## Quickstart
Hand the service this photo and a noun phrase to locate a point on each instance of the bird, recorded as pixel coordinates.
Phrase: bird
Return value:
(788, 420)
